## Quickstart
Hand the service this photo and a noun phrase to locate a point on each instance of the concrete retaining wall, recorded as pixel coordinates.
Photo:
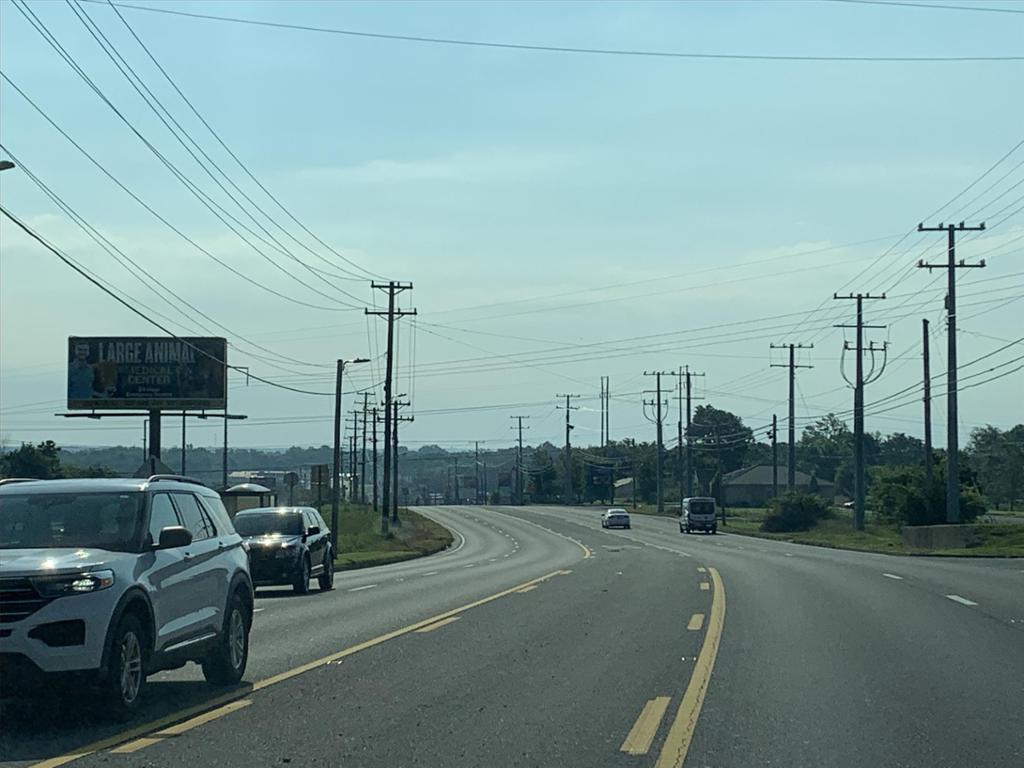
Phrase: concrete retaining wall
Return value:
(938, 536)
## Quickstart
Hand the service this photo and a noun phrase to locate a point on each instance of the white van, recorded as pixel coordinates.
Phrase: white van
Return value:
(698, 513)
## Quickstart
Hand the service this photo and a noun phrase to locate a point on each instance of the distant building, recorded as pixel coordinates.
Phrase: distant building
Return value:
(752, 487)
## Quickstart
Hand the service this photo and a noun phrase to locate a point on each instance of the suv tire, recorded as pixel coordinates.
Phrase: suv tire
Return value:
(126, 677)
(326, 578)
(226, 664)
(301, 583)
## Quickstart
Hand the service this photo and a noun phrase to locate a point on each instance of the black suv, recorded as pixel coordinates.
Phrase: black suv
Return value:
(287, 545)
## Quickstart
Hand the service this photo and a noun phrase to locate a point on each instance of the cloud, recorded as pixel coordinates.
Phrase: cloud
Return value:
(498, 165)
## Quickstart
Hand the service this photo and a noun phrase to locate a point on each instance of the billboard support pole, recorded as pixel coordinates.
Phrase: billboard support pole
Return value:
(154, 433)
(183, 442)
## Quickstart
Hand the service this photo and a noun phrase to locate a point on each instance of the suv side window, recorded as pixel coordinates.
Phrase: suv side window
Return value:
(161, 515)
(193, 517)
(214, 508)
(319, 521)
(310, 520)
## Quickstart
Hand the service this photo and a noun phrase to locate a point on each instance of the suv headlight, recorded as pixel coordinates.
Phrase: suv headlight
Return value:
(288, 549)
(74, 583)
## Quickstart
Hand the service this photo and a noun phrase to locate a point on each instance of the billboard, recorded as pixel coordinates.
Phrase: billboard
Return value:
(146, 372)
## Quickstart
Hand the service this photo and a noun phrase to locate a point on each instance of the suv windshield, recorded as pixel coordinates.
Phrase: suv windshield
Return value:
(259, 523)
(109, 521)
(702, 507)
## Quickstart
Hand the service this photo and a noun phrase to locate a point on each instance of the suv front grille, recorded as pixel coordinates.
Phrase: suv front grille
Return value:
(18, 600)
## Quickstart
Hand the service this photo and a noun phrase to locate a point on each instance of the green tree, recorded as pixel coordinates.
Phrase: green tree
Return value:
(823, 447)
(899, 449)
(542, 478)
(902, 496)
(998, 459)
(711, 428)
(40, 461)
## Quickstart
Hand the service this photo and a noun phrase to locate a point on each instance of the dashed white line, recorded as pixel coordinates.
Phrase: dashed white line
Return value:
(432, 573)
(257, 610)
(360, 589)
(893, 576)
(789, 554)
(471, 565)
(961, 600)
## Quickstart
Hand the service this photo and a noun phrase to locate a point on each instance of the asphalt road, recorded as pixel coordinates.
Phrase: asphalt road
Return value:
(517, 647)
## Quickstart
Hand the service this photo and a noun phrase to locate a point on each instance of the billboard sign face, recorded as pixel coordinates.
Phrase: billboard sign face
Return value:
(107, 373)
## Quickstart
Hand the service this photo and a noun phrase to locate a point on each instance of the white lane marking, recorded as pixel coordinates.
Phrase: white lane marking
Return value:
(471, 565)
(961, 600)
(360, 589)
(493, 560)
(257, 610)
(432, 573)
(789, 554)
(399, 579)
(893, 576)
(508, 555)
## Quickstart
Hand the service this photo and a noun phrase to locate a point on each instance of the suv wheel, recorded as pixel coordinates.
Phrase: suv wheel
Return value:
(326, 578)
(127, 675)
(301, 583)
(226, 664)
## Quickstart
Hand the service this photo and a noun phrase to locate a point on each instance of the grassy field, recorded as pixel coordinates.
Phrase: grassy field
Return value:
(1005, 540)
(361, 545)
(997, 538)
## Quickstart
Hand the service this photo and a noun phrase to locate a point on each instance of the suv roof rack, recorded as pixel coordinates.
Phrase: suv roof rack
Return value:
(175, 478)
(8, 480)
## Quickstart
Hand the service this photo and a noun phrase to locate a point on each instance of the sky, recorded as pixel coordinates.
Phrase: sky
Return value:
(561, 216)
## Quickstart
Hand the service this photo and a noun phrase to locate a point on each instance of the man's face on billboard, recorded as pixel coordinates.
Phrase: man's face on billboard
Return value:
(81, 352)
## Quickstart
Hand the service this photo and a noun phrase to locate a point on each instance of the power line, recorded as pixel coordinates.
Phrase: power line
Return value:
(246, 169)
(161, 218)
(559, 48)
(95, 281)
(931, 6)
(215, 208)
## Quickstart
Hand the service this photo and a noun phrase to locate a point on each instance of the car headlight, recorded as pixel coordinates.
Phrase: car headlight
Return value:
(288, 549)
(74, 584)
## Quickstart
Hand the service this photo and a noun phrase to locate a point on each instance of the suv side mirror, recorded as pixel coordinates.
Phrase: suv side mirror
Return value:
(313, 530)
(174, 536)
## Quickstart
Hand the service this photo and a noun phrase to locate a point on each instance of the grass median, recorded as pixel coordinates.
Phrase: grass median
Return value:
(361, 545)
(994, 539)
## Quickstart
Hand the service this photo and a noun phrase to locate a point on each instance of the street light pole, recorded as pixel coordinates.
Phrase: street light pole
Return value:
(336, 469)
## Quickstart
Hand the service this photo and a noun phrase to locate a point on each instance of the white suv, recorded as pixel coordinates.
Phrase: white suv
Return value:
(110, 580)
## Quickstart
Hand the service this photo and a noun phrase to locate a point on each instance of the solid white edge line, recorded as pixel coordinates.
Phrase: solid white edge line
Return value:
(359, 589)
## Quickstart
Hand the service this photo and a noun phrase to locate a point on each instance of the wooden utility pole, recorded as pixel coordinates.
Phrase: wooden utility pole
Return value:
(392, 314)
(928, 459)
(659, 420)
(394, 478)
(775, 456)
(859, 479)
(791, 469)
(568, 446)
(952, 422)
(519, 459)
(375, 483)
(362, 463)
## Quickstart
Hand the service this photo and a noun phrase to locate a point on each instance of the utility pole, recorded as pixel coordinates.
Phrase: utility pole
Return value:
(858, 400)
(374, 411)
(659, 419)
(476, 469)
(774, 434)
(791, 469)
(394, 475)
(952, 420)
(605, 406)
(568, 447)
(336, 469)
(456, 479)
(362, 463)
(519, 459)
(689, 417)
(354, 460)
(393, 288)
(928, 460)
(183, 442)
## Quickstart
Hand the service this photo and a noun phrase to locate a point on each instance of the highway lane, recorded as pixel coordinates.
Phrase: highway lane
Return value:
(288, 630)
(824, 658)
(844, 658)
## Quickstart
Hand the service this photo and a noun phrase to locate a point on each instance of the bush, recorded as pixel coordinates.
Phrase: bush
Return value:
(902, 496)
(794, 511)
